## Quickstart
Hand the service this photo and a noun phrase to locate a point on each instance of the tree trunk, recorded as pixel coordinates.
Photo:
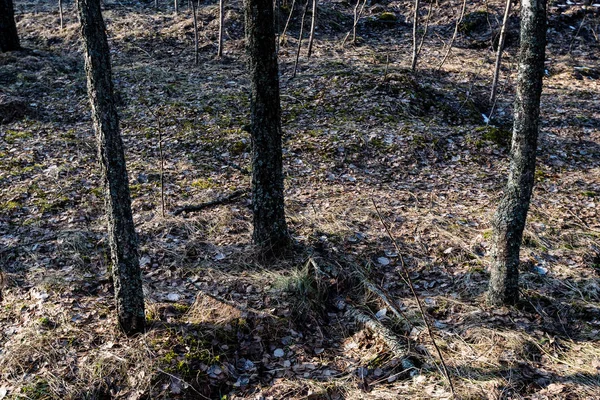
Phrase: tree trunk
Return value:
(270, 228)
(121, 232)
(9, 39)
(510, 217)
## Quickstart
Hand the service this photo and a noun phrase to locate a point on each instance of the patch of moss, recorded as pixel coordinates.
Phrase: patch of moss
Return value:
(239, 147)
(10, 205)
(540, 175)
(98, 192)
(500, 136)
(45, 205)
(204, 183)
(11, 136)
(387, 16)
(40, 389)
(134, 189)
(473, 22)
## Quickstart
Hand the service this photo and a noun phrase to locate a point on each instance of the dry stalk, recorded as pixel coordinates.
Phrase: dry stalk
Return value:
(416, 297)
(287, 23)
(300, 39)
(499, 53)
(458, 21)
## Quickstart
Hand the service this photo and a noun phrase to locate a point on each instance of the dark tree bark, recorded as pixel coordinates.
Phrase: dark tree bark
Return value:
(121, 232)
(510, 217)
(270, 228)
(9, 39)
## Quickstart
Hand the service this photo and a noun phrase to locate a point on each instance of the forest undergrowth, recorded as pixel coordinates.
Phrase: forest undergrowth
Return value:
(360, 129)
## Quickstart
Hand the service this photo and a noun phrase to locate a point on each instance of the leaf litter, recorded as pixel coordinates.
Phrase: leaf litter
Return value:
(357, 127)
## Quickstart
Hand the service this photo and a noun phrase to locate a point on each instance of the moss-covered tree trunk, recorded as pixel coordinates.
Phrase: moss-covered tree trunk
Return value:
(121, 232)
(510, 217)
(9, 39)
(270, 228)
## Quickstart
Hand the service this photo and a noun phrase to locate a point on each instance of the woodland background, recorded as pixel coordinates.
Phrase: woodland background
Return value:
(359, 127)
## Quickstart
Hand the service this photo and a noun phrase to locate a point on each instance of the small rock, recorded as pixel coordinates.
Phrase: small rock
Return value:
(383, 261)
(173, 297)
(540, 270)
(278, 353)
(214, 371)
(242, 381)
(249, 365)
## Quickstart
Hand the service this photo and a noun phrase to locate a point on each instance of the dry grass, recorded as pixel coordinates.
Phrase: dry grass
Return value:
(349, 138)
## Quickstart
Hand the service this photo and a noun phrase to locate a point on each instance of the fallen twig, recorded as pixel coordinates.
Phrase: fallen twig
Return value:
(219, 201)
(392, 341)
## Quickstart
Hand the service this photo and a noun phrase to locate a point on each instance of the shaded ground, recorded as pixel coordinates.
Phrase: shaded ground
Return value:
(358, 128)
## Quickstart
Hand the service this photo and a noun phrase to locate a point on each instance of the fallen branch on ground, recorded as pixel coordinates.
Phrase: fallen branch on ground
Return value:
(217, 202)
(392, 341)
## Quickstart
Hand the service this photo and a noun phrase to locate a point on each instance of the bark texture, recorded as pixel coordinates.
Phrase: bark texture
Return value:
(270, 228)
(9, 38)
(510, 217)
(121, 232)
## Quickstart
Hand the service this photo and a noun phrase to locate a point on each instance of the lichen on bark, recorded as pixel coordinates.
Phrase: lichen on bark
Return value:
(121, 231)
(509, 220)
(270, 227)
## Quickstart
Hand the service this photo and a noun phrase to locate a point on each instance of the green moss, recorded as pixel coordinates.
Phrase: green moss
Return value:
(476, 269)
(181, 308)
(204, 183)
(540, 175)
(501, 137)
(37, 390)
(10, 205)
(387, 16)
(45, 205)
(135, 190)
(239, 147)
(98, 192)
(472, 21)
(589, 193)
(12, 136)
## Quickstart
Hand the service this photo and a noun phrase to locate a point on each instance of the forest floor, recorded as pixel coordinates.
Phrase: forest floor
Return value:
(359, 129)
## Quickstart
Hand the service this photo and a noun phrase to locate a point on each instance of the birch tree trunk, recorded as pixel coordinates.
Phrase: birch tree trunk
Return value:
(121, 232)
(511, 215)
(415, 45)
(313, 25)
(270, 228)
(9, 38)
